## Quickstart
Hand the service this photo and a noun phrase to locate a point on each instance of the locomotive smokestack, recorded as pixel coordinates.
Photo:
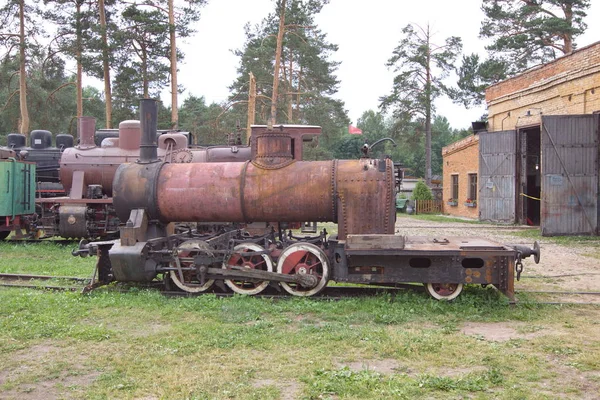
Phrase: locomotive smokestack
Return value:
(86, 129)
(148, 121)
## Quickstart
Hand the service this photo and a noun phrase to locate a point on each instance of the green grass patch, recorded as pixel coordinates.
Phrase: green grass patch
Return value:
(44, 258)
(439, 218)
(139, 344)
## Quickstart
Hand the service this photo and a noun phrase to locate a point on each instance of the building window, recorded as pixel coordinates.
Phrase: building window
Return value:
(455, 187)
(473, 187)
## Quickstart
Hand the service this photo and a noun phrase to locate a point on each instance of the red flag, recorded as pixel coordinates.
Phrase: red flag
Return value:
(354, 130)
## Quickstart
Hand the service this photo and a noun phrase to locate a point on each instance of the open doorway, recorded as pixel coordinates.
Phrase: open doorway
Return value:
(530, 176)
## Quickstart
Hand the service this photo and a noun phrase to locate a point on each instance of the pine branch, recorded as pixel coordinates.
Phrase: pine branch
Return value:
(9, 98)
(51, 95)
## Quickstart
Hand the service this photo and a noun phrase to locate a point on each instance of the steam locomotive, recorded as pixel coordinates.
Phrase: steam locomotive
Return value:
(74, 190)
(46, 157)
(276, 185)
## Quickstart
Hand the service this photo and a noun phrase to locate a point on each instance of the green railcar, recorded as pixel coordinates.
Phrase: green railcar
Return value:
(17, 193)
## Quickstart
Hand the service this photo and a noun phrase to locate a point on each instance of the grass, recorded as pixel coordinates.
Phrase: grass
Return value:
(45, 258)
(438, 218)
(139, 344)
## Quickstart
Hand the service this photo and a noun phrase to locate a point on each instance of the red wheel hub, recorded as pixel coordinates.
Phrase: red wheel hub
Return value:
(302, 262)
(444, 289)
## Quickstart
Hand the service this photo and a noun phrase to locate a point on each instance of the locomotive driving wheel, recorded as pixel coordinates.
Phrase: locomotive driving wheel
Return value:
(190, 280)
(444, 291)
(258, 261)
(304, 259)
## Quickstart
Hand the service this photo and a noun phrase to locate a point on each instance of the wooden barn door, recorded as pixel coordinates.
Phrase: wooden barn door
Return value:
(497, 176)
(569, 164)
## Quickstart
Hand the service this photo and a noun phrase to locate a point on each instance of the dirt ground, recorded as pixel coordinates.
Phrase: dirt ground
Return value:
(561, 268)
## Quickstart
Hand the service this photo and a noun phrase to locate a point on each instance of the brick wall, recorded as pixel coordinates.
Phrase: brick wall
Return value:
(567, 85)
(460, 158)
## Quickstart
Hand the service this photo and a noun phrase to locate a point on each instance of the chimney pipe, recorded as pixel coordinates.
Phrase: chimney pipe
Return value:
(86, 129)
(148, 121)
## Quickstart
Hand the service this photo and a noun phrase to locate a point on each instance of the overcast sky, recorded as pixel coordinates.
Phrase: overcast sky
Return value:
(366, 33)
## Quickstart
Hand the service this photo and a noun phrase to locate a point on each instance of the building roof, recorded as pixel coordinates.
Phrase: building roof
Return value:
(460, 145)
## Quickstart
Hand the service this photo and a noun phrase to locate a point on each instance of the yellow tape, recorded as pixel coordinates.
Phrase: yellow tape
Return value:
(530, 197)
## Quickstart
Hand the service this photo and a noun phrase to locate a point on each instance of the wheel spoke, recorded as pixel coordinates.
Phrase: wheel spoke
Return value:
(185, 258)
(304, 259)
(259, 262)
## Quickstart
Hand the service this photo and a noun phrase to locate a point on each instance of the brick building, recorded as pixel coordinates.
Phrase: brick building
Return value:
(568, 85)
(538, 160)
(461, 168)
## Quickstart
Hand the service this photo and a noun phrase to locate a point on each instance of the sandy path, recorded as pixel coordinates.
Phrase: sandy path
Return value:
(562, 268)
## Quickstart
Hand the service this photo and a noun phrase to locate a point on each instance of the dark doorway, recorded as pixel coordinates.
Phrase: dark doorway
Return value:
(530, 176)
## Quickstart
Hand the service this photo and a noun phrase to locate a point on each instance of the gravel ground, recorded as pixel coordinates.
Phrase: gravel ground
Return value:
(574, 267)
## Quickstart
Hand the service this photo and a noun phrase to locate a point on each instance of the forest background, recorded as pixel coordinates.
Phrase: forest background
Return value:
(57, 46)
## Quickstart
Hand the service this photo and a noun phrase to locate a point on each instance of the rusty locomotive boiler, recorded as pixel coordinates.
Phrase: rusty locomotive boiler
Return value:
(357, 195)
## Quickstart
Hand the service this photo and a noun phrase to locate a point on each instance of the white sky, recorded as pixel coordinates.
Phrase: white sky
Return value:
(366, 33)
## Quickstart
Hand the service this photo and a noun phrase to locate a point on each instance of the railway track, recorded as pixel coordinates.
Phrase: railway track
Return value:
(578, 297)
(62, 242)
(332, 293)
(37, 282)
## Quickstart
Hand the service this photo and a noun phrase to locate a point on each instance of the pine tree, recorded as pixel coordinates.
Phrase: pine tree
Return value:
(530, 32)
(50, 108)
(307, 75)
(18, 21)
(524, 33)
(74, 20)
(203, 121)
(148, 29)
(474, 76)
(421, 65)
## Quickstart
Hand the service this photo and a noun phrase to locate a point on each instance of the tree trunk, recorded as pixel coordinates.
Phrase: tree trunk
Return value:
(105, 65)
(251, 107)
(174, 110)
(24, 126)
(290, 97)
(79, 66)
(277, 65)
(568, 38)
(428, 114)
(298, 95)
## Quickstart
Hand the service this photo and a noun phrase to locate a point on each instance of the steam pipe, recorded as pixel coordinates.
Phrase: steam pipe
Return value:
(383, 140)
(366, 149)
(148, 122)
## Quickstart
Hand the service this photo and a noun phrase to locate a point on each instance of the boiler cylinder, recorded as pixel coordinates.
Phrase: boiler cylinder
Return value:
(358, 191)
